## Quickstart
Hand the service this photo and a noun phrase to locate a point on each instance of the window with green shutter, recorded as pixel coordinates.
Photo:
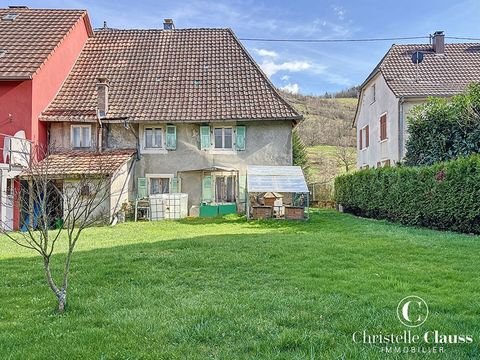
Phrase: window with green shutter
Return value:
(141, 188)
(205, 137)
(207, 193)
(171, 138)
(240, 140)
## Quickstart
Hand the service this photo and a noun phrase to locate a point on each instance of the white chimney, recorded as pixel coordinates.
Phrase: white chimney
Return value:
(438, 42)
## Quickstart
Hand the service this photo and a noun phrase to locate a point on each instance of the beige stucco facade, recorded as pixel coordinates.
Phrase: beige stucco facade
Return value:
(266, 143)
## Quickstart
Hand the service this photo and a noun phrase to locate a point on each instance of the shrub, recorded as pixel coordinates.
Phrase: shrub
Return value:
(442, 196)
(443, 129)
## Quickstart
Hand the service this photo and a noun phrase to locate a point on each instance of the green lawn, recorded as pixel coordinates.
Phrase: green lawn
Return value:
(231, 289)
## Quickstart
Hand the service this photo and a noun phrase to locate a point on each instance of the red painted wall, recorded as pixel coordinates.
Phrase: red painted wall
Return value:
(49, 79)
(22, 102)
(15, 109)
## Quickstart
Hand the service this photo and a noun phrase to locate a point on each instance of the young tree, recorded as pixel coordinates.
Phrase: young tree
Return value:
(57, 207)
(299, 153)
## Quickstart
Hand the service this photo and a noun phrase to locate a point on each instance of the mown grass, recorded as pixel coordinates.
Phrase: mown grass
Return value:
(231, 289)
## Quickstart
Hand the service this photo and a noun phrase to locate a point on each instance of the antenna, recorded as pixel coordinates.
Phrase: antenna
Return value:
(417, 58)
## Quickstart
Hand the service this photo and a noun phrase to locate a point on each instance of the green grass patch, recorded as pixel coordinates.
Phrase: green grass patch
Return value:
(231, 289)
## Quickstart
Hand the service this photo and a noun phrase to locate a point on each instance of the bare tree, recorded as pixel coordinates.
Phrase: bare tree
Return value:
(57, 205)
(345, 156)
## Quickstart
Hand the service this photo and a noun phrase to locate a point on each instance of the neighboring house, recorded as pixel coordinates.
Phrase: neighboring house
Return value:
(396, 85)
(192, 103)
(38, 48)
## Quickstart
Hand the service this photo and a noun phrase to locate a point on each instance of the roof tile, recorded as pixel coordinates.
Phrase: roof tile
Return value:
(31, 37)
(185, 75)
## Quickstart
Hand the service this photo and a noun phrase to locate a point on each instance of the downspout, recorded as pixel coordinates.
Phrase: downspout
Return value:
(99, 133)
(401, 125)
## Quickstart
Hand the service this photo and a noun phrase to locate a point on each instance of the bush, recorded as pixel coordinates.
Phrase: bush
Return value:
(443, 129)
(443, 196)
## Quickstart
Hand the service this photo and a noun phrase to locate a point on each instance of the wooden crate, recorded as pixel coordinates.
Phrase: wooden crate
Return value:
(261, 212)
(294, 212)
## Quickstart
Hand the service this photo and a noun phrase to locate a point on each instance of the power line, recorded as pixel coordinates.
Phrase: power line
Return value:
(355, 40)
(335, 40)
(462, 38)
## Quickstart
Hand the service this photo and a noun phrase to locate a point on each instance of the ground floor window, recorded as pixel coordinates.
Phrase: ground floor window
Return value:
(159, 186)
(225, 188)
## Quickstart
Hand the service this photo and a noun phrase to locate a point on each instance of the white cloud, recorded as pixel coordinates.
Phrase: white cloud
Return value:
(285, 78)
(291, 88)
(266, 53)
(270, 68)
(340, 12)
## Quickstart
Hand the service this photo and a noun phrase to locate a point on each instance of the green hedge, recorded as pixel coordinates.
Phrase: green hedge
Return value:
(442, 196)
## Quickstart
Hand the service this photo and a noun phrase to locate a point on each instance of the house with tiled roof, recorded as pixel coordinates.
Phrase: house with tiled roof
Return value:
(398, 83)
(191, 103)
(38, 48)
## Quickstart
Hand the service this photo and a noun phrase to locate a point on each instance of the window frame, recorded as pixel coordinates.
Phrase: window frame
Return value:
(159, 176)
(81, 127)
(374, 93)
(364, 134)
(223, 148)
(143, 139)
(383, 129)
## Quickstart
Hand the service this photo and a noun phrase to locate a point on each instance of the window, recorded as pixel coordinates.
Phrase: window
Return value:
(159, 186)
(81, 136)
(364, 136)
(383, 127)
(10, 16)
(225, 188)
(374, 95)
(153, 138)
(223, 137)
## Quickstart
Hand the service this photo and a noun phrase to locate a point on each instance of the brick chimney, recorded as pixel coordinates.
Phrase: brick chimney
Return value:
(102, 97)
(438, 42)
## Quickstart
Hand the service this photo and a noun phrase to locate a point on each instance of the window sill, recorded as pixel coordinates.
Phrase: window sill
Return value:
(154, 151)
(223, 151)
(382, 141)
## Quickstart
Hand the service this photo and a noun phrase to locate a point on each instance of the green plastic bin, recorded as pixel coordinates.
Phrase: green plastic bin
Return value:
(224, 209)
(208, 210)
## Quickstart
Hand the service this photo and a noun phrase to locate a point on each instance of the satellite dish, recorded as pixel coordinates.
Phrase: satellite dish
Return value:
(417, 57)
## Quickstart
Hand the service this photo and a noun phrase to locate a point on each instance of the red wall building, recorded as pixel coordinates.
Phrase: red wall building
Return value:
(38, 48)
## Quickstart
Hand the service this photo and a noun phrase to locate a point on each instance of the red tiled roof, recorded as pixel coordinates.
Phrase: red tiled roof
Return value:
(83, 163)
(28, 40)
(437, 75)
(184, 75)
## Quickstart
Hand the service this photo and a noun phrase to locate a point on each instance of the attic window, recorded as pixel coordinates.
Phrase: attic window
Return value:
(10, 17)
(197, 82)
(2, 53)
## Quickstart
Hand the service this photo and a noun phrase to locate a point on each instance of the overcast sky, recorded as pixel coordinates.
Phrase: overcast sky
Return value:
(300, 67)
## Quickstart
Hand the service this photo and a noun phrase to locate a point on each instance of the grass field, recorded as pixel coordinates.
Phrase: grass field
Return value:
(231, 289)
(324, 164)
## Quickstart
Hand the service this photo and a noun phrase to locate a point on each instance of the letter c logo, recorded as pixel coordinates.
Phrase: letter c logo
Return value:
(412, 311)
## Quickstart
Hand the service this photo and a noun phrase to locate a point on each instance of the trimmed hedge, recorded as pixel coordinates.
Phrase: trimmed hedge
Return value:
(442, 196)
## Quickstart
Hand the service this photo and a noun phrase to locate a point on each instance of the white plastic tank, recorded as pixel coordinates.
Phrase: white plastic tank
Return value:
(168, 206)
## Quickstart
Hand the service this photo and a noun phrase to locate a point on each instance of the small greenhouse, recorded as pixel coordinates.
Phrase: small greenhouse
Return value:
(278, 192)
